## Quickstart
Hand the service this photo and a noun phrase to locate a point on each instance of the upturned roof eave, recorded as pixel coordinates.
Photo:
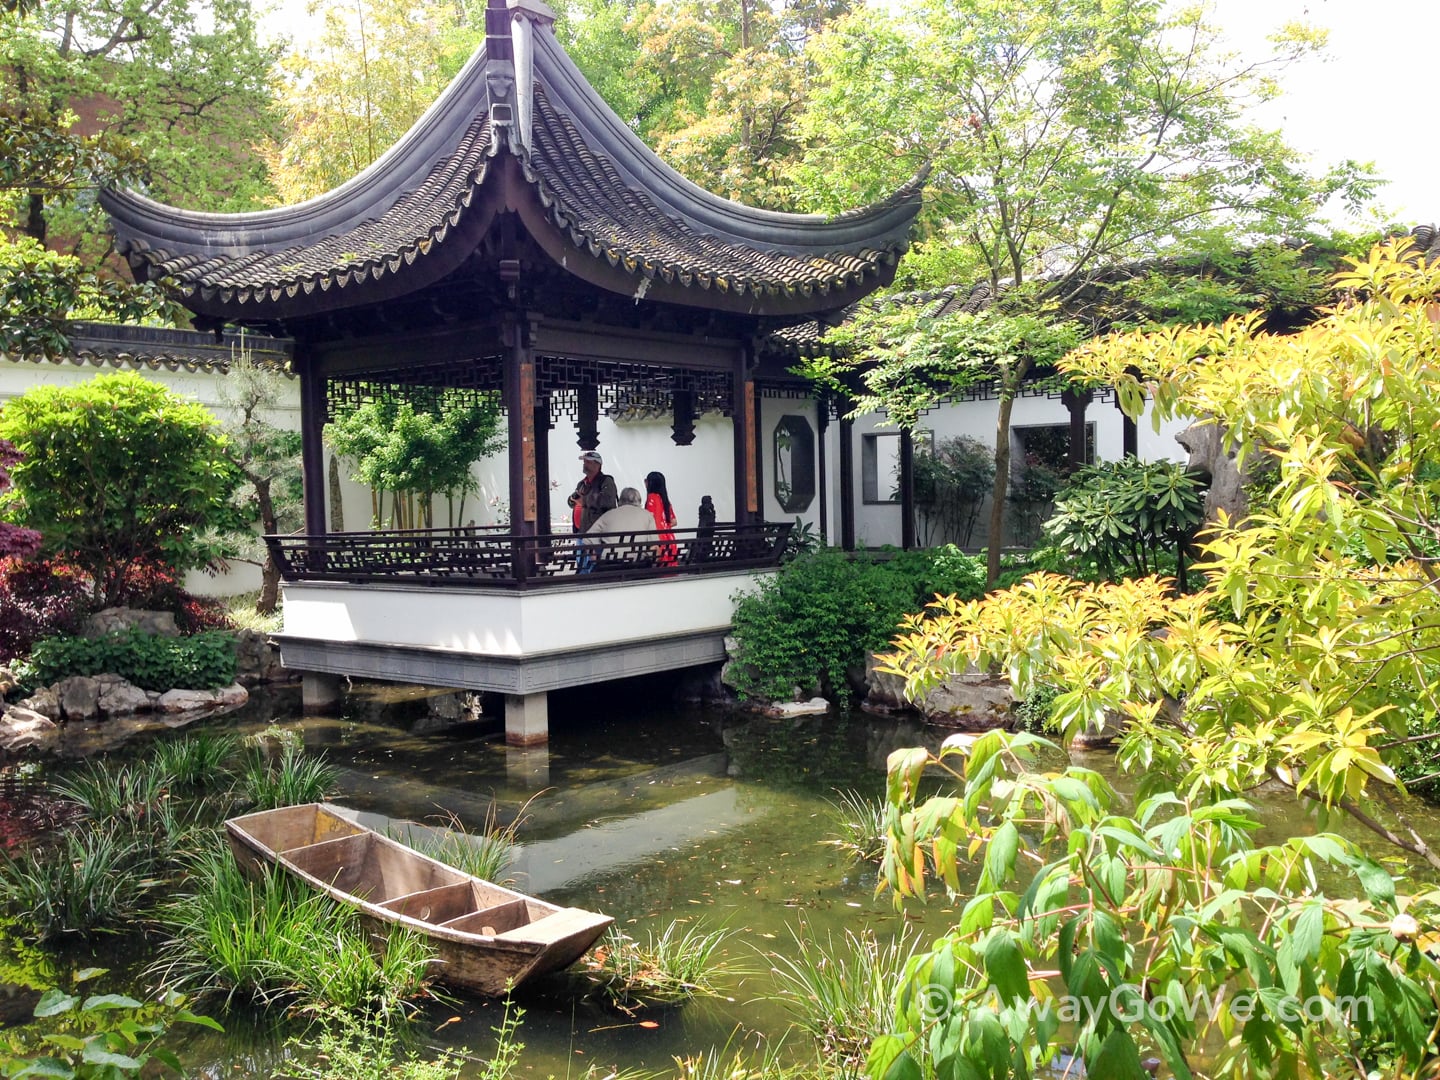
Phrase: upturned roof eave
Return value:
(368, 194)
(880, 224)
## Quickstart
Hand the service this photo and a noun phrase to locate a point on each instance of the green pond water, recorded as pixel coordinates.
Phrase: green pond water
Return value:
(641, 809)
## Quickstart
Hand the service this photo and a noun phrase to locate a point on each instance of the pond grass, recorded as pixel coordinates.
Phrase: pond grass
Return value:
(842, 992)
(666, 968)
(109, 790)
(89, 881)
(198, 760)
(273, 941)
(486, 854)
(288, 778)
(860, 826)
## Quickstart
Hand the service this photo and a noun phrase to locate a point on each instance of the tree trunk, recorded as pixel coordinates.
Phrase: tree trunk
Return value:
(35, 216)
(998, 492)
(269, 573)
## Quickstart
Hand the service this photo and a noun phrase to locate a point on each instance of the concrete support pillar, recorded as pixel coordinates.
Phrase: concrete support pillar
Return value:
(527, 719)
(320, 692)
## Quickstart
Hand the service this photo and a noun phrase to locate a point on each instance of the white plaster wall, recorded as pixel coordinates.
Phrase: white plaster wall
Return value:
(879, 524)
(513, 624)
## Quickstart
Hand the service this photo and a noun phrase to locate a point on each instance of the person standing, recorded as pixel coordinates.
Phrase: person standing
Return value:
(657, 501)
(593, 496)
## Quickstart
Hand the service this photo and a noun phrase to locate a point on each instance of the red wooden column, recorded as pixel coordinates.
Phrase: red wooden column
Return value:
(747, 482)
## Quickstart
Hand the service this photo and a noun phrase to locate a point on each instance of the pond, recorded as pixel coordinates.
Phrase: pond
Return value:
(644, 810)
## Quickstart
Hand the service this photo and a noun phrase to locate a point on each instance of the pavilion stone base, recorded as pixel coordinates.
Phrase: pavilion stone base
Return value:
(524, 680)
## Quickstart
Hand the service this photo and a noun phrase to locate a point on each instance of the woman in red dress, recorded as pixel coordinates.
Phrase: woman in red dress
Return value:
(657, 501)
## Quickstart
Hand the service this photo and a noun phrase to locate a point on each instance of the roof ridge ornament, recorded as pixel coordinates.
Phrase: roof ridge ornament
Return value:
(525, 15)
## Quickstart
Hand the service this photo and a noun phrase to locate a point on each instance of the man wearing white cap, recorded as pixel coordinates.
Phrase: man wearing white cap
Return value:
(593, 495)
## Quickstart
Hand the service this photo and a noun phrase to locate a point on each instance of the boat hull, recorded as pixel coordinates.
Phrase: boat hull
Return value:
(487, 938)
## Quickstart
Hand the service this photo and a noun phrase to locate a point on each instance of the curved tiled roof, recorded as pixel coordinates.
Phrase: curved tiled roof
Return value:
(153, 348)
(414, 225)
(603, 193)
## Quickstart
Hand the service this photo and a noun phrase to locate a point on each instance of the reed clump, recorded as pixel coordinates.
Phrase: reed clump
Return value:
(842, 992)
(668, 967)
(859, 826)
(272, 941)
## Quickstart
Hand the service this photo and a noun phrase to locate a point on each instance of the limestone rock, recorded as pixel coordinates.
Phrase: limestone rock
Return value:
(816, 706)
(971, 702)
(46, 702)
(177, 701)
(885, 692)
(79, 697)
(22, 729)
(8, 682)
(120, 619)
(121, 698)
(257, 659)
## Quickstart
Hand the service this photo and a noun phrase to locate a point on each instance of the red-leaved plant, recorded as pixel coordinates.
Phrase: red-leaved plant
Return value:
(15, 542)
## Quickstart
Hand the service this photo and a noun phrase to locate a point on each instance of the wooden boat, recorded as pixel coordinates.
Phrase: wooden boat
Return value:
(486, 936)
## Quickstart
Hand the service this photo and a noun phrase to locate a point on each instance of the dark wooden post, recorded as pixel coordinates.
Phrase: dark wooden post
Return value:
(907, 489)
(747, 496)
(847, 479)
(822, 427)
(1076, 401)
(542, 464)
(1129, 433)
(314, 411)
(519, 395)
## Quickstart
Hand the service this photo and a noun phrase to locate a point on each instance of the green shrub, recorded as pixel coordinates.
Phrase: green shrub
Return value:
(821, 615)
(118, 470)
(102, 1037)
(1126, 514)
(198, 662)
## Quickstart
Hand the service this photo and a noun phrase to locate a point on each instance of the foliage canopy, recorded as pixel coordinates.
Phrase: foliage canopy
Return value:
(118, 471)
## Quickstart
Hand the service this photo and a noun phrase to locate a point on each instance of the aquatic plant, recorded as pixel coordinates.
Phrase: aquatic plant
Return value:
(110, 791)
(108, 1036)
(91, 880)
(486, 854)
(345, 1046)
(198, 759)
(860, 823)
(675, 965)
(290, 778)
(272, 941)
(842, 992)
(732, 1064)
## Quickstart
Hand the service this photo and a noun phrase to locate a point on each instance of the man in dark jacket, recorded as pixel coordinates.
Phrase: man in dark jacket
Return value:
(593, 495)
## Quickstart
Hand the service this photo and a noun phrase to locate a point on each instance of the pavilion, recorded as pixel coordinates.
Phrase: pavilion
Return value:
(518, 241)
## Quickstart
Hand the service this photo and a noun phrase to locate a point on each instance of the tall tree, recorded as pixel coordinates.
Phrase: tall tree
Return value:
(167, 95)
(739, 76)
(1063, 138)
(377, 65)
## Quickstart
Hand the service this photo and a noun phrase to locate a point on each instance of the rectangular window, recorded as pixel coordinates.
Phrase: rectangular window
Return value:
(880, 468)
